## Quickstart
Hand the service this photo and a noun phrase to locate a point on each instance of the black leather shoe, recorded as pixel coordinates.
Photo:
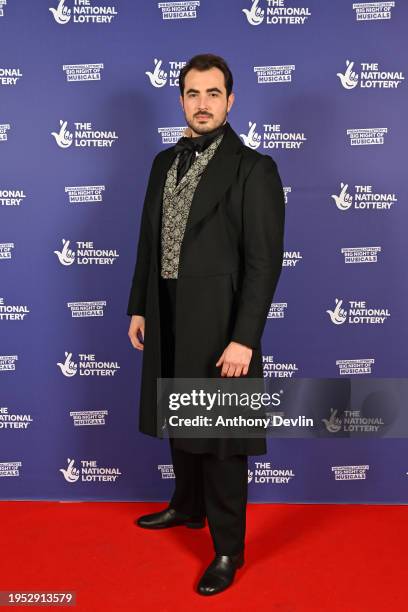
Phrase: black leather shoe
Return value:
(219, 575)
(168, 518)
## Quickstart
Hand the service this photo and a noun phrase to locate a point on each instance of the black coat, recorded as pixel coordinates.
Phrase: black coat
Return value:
(230, 262)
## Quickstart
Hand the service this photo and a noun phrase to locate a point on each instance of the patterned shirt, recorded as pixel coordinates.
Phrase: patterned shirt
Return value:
(176, 207)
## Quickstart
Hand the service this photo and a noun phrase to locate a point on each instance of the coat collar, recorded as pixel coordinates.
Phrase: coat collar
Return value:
(215, 180)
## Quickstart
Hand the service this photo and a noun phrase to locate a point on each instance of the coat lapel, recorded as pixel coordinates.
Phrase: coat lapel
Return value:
(215, 180)
(156, 198)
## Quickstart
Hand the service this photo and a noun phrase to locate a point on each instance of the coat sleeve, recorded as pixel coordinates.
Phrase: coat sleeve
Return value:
(263, 242)
(137, 297)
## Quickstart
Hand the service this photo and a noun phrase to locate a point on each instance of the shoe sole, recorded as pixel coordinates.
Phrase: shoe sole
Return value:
(188, 524)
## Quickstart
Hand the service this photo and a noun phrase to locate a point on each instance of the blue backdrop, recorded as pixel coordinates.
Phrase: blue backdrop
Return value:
(88, 95)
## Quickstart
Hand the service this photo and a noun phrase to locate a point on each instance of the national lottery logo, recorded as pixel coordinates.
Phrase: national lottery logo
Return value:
(349, 79)
(71, 473)
(82, 11)
(83, 136)
(255, 15)
(252, 139)
(343, 200)
(66, 256)
(353, 421)
(333, 423)
(159, 77)
(87, 365)
(357, 313)
(364, 198)
(64, 137)
(85, 254)
(263, 472)
(338, 315)
(89, 471)
(61, 14)
(276, 13)
(68, 367)
(272, 136)
(369, 77)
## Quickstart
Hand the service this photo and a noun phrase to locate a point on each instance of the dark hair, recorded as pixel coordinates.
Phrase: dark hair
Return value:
(205, 61)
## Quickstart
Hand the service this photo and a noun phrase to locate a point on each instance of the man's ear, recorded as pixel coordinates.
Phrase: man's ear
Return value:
(181, 102)
(230, 101)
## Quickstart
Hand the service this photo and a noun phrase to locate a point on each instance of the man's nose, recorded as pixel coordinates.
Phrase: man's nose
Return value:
(203, 104)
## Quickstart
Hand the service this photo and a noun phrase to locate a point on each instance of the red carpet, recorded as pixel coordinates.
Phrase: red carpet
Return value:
(299, 558)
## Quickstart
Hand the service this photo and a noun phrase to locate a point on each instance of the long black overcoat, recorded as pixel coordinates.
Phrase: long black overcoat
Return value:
(230, 262)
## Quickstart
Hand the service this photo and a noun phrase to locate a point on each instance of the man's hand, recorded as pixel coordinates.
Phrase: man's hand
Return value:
(137, 323)
(235, 360)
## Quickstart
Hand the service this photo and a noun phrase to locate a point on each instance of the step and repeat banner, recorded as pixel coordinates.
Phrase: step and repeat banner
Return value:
(88, 95)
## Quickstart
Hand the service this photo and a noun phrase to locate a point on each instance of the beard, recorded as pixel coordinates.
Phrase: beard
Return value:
(205, 128)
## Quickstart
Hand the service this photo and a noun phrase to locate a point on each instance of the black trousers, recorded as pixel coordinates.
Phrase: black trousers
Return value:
(205, 486)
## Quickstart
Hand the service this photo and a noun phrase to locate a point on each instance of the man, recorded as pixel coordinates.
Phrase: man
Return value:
(208, 261)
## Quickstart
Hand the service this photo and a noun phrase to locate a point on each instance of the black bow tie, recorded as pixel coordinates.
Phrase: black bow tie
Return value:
(187, 147)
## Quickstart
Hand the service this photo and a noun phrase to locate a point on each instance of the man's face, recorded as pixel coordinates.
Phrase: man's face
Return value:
(204, 102)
